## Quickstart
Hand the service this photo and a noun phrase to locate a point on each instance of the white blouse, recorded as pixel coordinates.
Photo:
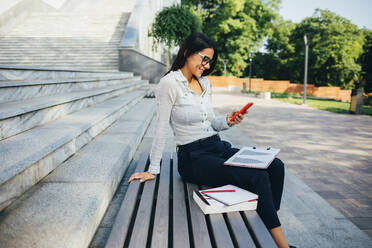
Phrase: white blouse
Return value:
(190, 115)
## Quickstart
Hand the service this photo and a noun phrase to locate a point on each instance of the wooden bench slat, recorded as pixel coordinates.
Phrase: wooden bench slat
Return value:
(142, 223)
(180, 226)
(220, 231)
(240, 230)
(256, 235)
(161, 221)
(120, 227)
(261, 234)
(198, 222)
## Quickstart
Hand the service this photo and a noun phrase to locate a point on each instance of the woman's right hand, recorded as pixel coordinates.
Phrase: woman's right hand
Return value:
(143, 176)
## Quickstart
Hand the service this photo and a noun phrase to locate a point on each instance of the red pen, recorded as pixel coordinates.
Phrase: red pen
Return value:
(216, 191)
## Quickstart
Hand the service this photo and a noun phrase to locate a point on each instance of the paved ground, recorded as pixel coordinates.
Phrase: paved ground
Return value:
(331, 153)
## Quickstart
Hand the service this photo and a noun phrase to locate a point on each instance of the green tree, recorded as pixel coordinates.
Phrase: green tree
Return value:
(172, 25)
(335, 46)
(366, 61)
(266, 65)
(279, 41)
(237, 26)
(276, 63)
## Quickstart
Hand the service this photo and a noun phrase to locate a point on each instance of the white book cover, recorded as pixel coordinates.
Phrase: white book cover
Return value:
(253, 157)
(230, 198)
(216, 207)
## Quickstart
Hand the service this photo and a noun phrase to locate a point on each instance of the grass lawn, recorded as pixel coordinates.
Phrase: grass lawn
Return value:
(324, 104)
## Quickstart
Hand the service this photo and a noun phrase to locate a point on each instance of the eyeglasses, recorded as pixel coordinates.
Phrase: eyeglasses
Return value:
(205, 59)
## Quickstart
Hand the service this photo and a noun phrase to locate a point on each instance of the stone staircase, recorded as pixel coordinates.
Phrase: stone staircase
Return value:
(66, 140)
(85, 36)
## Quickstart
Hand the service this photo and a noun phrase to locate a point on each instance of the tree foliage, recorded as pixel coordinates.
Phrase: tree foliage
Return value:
(340, 53)
(237, 26)
(366, 61)
(276, 63)
(335, 47)
(173, 24)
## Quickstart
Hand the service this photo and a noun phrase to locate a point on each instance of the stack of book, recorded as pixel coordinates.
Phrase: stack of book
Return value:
(225, 199)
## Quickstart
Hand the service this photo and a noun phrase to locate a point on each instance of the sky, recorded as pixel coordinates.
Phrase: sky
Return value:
(357, 11)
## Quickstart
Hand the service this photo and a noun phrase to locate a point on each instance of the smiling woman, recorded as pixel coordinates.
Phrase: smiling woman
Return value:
(183, 98)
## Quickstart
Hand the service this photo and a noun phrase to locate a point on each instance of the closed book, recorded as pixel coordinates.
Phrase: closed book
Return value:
(253, 157)
(215, 205)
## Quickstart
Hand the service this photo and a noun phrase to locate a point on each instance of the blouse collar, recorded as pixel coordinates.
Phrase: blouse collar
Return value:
(180, 77)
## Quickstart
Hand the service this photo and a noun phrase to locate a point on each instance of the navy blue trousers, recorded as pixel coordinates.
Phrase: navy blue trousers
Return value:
(201, 162)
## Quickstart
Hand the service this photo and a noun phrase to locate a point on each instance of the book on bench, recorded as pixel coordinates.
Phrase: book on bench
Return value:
(223, 202)
(253, 157)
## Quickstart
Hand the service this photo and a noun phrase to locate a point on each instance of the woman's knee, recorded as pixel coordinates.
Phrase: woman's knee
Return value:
(276, 167)
(262, 180)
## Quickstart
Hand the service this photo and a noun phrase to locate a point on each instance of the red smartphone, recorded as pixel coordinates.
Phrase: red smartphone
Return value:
(242, 111)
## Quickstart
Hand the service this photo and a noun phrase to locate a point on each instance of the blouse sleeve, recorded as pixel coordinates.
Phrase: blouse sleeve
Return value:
(219, 123)
(165, 95)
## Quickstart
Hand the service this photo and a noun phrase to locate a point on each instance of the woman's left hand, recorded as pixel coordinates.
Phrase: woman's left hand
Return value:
(237, 120)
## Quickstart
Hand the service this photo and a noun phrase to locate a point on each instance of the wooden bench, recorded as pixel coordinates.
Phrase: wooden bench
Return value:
(162, 213)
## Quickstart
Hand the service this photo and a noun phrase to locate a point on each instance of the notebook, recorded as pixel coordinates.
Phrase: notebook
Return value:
(231, 198)
(253, 157)
(216, 207)
(222, 202)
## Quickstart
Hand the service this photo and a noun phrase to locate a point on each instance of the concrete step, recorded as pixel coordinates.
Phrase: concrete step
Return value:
(107, 67)
(56, 51)
(103, 58)
(21, 90)
(73, 62)
(29, 38)
(84, 18)
(8, 72)
(50, 39)
(65, 209)
(45, 147)
(51, 47)
(86, 27)
(60, 58)
(59, 54)
(103, 232)
(19, 116)
(76, 67)
(59, 41)
(101, 31)
(64, 59)
(48, 45)
(24, 51)
(64, 64)
(59, 22)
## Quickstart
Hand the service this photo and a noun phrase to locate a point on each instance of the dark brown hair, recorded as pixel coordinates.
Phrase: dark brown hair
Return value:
(194, 43)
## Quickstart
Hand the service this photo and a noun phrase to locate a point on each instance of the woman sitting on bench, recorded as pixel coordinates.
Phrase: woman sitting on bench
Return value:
(184, 101)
